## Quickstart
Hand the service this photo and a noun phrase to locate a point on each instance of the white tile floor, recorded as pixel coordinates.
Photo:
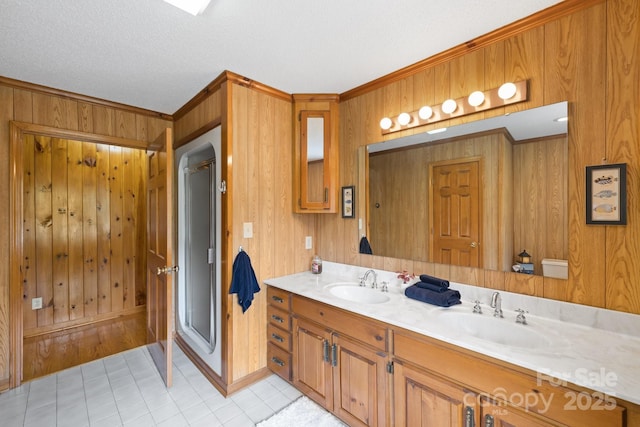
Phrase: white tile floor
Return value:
(126, 390)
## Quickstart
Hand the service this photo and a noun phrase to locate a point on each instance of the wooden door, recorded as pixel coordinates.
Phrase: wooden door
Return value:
(425, 400)
(312, 373)
(455, 214)
(160, 254)
(360, 384)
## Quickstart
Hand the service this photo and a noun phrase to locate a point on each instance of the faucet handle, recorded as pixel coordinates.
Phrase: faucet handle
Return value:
(520, 317)
(477, 308)
(385, 287)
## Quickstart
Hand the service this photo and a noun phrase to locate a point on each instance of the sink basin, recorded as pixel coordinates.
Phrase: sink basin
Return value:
(351, 291)
(499, 331)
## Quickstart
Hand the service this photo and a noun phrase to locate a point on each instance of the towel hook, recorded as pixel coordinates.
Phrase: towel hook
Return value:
(240, 249)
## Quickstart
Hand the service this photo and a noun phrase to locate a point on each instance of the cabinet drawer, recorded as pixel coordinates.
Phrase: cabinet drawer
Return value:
(279, 298)
(364, 330)
(279, 361)
(278, 317)
(279, 337)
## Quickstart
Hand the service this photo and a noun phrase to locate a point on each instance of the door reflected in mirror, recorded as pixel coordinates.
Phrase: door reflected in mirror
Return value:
(426, 202)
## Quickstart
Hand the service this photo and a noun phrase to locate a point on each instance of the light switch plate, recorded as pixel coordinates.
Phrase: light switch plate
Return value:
(308, 242)
(247, 228)
(36, 303)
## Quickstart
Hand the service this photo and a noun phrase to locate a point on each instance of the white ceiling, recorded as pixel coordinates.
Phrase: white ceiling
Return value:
(148, 54)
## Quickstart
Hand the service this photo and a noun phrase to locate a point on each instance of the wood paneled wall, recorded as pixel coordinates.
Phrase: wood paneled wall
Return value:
(84, 210)
(540, 199)
(585, 57)
(257, 143)
(55, 109)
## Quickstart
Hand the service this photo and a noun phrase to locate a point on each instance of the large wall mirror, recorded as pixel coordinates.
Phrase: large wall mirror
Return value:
(477, 194)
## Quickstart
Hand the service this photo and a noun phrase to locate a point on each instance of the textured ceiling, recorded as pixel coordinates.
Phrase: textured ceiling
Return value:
(148, 54)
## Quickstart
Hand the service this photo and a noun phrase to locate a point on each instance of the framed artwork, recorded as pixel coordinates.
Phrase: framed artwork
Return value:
(349, 202)
(607, 194)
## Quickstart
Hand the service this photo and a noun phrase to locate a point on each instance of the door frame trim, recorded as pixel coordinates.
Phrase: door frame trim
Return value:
(17, 131)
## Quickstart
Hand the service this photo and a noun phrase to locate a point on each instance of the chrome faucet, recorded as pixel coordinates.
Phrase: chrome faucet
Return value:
(363, 279)
(496, 304)
(520, 317)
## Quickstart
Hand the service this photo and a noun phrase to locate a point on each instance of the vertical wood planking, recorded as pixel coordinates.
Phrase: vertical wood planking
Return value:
(60, 237)
(104, 121)
(44, 222)
(128, 227)
(85, 117)
(30, 317)
(575, 71)
(75, 230)
(523, 59)
(103, 218)
(55, 111)
(89, 229)
(117, 240)
(623, 142)
(140, 210)
(22, 106)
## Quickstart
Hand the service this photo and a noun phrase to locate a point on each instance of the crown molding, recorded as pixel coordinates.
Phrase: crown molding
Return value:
(19, 84)
(549, 14)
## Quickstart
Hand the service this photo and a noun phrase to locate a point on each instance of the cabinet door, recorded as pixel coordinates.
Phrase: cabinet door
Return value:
(311, 361)
(501, 415)
(315, 151)
(425, 400)
(361, 391)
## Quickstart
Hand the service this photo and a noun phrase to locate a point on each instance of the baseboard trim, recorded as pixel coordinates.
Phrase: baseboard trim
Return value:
(215, 379)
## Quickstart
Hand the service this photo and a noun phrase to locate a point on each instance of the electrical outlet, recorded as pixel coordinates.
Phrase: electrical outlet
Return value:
(308, 242)
(36, 303)
(247, 228)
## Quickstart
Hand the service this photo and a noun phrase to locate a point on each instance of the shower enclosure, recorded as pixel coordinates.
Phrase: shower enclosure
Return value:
(198, 284)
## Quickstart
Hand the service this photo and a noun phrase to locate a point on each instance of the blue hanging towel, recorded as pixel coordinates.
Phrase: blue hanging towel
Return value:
(243, 280)
(365, 247)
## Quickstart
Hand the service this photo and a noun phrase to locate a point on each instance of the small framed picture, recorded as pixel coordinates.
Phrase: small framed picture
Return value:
(607, 194)
(349, 202)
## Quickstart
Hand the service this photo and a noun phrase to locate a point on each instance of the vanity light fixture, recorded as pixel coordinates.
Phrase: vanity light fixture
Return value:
(425, 112)
(386, 123)
(476, 98)
(507, 91)
(194, 7)
(507, 94)
(404, 119)
(449, 106)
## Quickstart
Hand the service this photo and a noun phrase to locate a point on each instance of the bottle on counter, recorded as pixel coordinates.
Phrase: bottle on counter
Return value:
(316, 265)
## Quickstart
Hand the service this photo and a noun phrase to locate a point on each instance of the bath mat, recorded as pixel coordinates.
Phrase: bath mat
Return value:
(302, 412)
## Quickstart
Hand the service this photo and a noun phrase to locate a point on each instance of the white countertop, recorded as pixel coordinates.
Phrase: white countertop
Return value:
(594, 348)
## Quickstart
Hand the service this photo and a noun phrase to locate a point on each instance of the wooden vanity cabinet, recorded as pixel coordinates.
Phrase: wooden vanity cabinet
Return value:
(509, 396)
(279, 342)
(370, 374)
(315, 152)
(345, 374)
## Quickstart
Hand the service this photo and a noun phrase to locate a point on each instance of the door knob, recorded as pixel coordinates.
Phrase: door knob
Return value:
(167, 270)
(474, 244)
